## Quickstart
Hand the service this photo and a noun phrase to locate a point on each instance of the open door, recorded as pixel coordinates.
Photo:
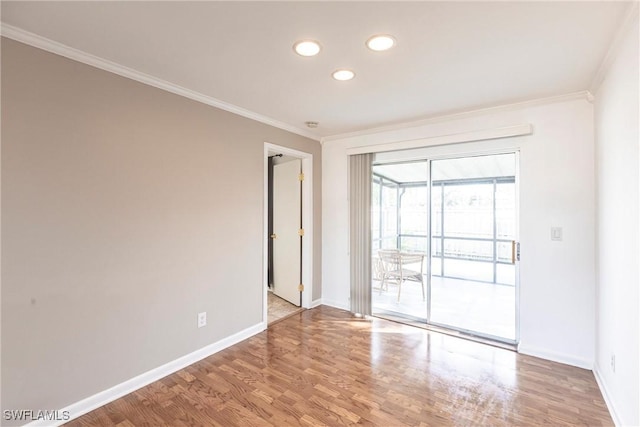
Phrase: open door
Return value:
(287, 243)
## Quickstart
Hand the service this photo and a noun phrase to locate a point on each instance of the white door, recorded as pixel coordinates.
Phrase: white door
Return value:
(286, 224)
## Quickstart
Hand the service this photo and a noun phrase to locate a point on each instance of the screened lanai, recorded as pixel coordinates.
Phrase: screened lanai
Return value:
(466, 209)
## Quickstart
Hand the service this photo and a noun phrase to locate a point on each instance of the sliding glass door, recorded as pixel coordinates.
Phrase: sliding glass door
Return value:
(474, 249)
(459, 215)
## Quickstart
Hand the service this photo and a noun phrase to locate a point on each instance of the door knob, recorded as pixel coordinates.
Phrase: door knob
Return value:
(273, 236)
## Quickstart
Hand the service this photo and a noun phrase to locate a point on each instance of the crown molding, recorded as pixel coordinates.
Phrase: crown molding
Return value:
(57, 48)
(630, 18)
(586, 95)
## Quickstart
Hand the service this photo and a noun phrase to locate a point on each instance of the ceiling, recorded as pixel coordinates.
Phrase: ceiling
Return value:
(405, 172)
(450, 56)
(479, 167)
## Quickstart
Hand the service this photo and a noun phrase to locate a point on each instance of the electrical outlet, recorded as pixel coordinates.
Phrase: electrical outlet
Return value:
(613, 363)
(202, 319)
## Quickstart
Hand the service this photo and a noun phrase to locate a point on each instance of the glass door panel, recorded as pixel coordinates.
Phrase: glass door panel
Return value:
(402, 210)
(473, 224)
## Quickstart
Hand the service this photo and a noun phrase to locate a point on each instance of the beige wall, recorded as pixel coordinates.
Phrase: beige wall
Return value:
(126, 210)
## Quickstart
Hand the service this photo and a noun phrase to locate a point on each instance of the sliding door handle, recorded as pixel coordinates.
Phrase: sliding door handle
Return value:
(515, 251)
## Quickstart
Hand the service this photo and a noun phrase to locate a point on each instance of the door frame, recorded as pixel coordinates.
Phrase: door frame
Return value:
(307, 225)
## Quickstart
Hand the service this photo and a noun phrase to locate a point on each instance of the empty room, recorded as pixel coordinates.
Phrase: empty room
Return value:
(234, 213)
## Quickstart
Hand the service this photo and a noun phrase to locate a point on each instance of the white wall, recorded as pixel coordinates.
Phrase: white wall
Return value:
(618, 255)
(557, 298)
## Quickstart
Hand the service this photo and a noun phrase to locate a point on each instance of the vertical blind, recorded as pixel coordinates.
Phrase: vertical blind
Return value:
(360, 232)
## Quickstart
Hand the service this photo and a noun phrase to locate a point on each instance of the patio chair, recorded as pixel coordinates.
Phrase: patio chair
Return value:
(395, 268)
(377, 273)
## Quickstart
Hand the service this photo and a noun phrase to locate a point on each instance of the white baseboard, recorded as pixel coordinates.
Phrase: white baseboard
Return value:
(606, 395)
(556, 357)
(83, 406)
(336, 304)
(316, 303)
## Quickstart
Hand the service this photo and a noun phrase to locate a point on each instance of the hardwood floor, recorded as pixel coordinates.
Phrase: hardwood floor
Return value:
(321, 367)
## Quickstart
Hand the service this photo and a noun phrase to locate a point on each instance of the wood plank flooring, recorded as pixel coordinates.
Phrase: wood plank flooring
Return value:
(321, 367)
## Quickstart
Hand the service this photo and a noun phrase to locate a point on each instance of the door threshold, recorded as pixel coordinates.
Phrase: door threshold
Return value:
(273, 322)
(446, 331)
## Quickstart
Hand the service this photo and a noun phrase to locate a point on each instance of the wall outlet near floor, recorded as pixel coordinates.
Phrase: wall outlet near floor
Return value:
(613, 363)
(202, 319)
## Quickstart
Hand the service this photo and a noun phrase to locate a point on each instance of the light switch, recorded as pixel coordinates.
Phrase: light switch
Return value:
(556, 234)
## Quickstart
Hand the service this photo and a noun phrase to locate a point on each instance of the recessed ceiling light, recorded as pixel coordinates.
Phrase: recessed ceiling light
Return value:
(381, 42)
(343, 74)
(307, 47)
